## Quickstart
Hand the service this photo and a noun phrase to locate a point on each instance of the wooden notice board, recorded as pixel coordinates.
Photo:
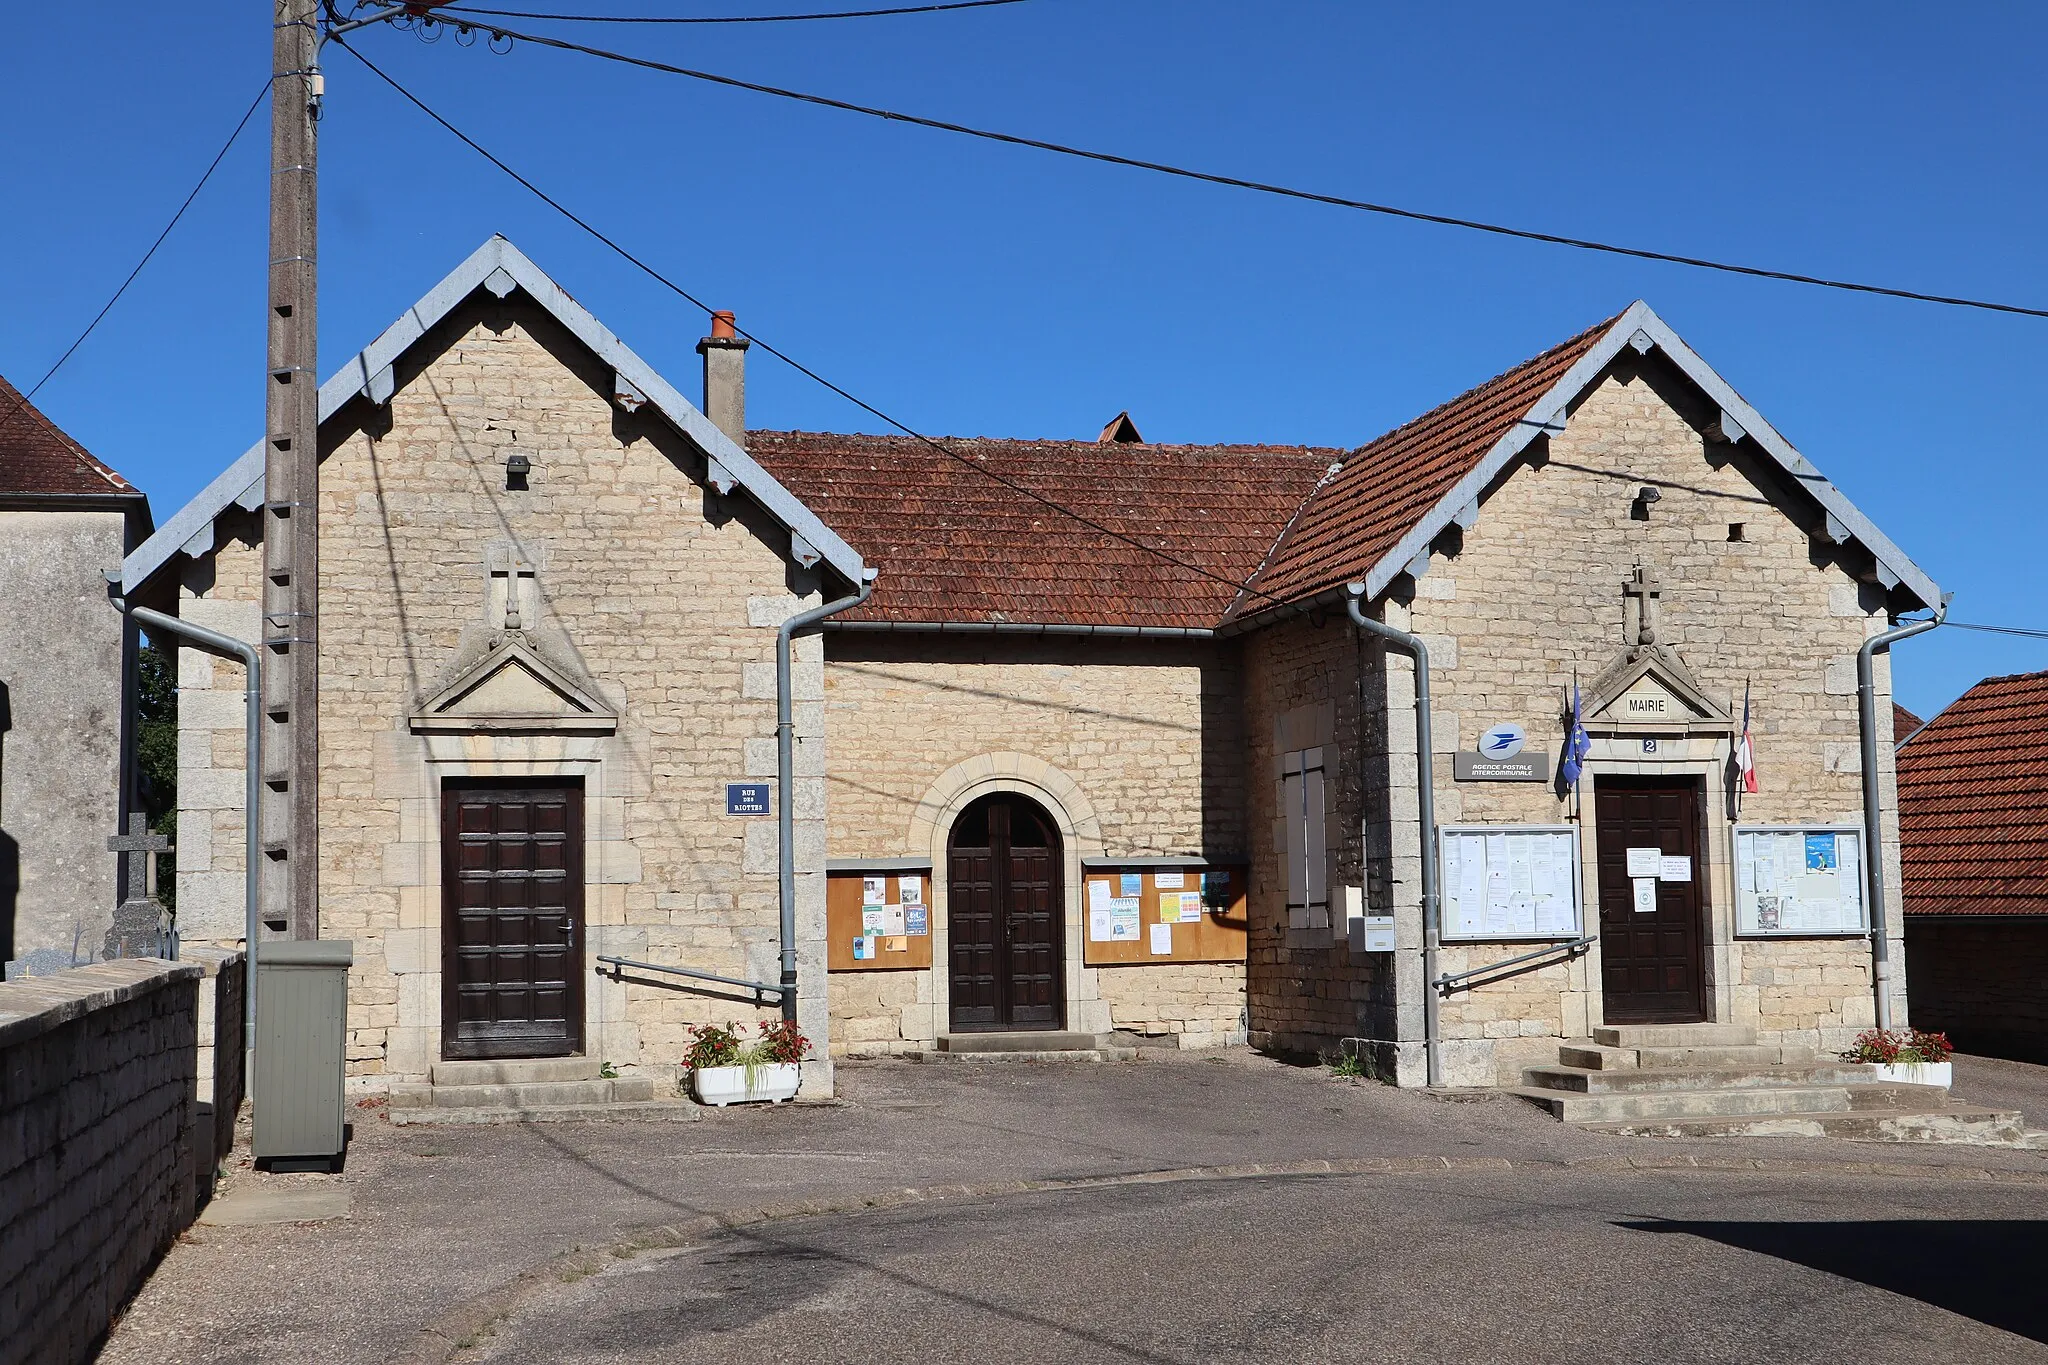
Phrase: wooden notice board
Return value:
(845, 894)
(1218, 935)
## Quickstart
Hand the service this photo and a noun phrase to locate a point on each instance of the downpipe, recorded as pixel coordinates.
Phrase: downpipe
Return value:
(252, 794)
(1425, 804)
(1873, 814)
(785, 776)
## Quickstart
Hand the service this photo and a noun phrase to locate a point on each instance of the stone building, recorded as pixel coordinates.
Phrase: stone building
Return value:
(1102, 754)
(66, 669)
(1973, 826)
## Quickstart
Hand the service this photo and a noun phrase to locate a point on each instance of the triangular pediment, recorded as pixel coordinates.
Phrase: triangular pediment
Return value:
(514, 688)
(1649, 687)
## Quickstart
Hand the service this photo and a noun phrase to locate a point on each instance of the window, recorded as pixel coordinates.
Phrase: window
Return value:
(1303, 810)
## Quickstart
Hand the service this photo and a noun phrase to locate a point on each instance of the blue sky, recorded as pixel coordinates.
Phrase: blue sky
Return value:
(969, 288)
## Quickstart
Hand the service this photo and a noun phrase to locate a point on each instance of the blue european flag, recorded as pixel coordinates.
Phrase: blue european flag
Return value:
(1576, 746)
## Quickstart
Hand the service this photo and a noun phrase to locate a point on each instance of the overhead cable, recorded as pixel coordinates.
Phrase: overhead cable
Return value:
(108, 307)
(1283, 191)
(724, 18)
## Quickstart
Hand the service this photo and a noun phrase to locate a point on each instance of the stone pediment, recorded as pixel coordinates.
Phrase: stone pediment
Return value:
(1650, 688)
(513, 688)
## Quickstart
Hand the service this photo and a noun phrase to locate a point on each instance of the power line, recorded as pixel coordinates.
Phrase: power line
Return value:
(725, 18)
(799, 366)
(205, 176)
(2025, 631)
(1282, 191)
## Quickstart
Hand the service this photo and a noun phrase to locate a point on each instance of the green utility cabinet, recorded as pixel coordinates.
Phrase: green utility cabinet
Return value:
(301, 1036)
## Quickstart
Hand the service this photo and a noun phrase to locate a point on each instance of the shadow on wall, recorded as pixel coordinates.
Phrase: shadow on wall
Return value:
(10, 851)
(1987, 1269)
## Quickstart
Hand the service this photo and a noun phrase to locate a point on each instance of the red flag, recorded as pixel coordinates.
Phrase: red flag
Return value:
(1745, 756)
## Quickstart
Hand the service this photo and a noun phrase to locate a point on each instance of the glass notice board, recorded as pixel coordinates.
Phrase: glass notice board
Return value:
(1510, 881)
(1799, 880)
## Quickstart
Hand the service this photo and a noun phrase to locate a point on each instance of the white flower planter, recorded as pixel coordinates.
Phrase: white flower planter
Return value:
(1917, 1073)
(723, 1085)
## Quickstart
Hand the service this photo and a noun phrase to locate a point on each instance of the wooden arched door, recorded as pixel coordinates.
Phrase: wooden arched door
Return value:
(1006, 933)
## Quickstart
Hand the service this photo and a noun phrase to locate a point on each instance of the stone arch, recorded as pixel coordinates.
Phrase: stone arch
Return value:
(932, 821)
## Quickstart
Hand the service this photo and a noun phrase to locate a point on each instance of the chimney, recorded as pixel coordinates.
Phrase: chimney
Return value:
(725, 377)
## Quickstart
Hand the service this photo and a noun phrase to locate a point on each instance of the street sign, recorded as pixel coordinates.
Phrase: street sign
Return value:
(746, 798)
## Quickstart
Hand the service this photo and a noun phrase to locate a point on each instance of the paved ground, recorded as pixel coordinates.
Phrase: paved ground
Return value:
(442, 1218)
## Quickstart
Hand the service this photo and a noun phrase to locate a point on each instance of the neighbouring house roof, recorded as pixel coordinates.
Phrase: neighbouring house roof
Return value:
(499, 268)
(1904, 724)
(955, 545)
(37, 459)
(1973, 803)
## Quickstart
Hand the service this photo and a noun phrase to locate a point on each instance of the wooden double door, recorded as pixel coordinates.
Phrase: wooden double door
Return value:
(1652, 960)
(511, 919)
(1006, 930)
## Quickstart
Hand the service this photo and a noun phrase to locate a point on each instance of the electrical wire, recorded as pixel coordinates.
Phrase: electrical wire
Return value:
(1282, 191)
(725, 18)
(205, 176)
(797, 365)
(2025, 631)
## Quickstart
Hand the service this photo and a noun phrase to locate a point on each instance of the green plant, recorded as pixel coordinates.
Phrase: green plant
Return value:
(713, 1045)
(1900, 1047)
(1350, 1066)
(608, 1072)
(783, 1042)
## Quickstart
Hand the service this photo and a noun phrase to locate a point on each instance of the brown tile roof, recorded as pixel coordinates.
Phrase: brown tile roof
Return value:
(953, 544)
(36, 457)
(1904, 723)
(1973, 803)
(1387, 487)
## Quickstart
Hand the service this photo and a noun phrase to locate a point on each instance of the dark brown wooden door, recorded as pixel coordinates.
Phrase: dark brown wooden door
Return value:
(1005, 929)
(511, 920)
(1652, 963)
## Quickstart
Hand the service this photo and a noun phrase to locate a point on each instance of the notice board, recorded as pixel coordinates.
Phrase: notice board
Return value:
(1125, 915)
(1510, 882)
(1799, 880)
(878, 921)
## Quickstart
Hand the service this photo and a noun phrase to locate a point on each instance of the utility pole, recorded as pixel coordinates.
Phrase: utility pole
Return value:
(291, 484)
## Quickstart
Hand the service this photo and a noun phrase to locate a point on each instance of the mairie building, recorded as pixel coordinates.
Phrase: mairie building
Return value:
(1092, 747)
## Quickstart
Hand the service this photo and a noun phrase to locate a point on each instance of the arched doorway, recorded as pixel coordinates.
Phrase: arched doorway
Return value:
(1005, 925)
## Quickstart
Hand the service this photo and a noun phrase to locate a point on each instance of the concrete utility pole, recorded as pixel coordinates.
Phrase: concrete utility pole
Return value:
(291, 483)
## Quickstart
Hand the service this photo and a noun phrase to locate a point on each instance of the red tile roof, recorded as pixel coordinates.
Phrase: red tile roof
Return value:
(36, 457)
(1387, 487)
(1904, 723)
(1973, 803)
(954, 544)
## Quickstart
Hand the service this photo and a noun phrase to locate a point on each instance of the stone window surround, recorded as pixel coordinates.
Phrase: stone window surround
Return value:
(931, 825)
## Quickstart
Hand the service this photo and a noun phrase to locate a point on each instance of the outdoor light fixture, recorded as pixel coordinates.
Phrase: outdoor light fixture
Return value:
(516, 469)
(1646, 496)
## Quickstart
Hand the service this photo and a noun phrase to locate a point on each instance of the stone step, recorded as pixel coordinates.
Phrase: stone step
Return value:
(1966, 1124)
(1599, 1058)
(646, 1111)
(1088, 1054)
(1675, 1035)
(1602, 1081)
(538, 1094)
(1686, 1104)
(516, 1071)
(1022, 1041)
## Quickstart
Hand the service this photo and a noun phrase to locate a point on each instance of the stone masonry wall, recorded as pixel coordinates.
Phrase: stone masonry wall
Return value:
(96, 1114)
(1193, 1004)
(1982, 981)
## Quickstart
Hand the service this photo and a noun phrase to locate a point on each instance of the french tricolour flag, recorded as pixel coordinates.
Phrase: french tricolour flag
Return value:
(1745, 756)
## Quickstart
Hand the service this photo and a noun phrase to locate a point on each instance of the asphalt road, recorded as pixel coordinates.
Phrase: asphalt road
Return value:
(1463, 1266)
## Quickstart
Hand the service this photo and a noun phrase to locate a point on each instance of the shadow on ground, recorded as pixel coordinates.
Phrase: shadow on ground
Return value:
(1987, 1269)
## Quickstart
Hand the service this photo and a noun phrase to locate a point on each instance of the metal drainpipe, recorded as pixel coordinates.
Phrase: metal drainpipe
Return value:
(785, 777)
(252, 796)
(1425, 802)
(1873, 815)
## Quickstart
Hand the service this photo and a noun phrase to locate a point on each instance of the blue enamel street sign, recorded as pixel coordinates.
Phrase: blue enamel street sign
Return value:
(746, 798)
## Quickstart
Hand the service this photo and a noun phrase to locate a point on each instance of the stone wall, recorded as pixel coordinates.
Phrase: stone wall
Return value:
(1983, 981)
(60, 735)
(96, 1115)
(1133, 746)
(219, 1078)
(1190, 1004)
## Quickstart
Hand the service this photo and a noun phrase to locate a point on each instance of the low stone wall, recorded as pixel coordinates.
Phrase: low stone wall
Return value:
(220, 1083)
(1982, 980)
(1194, 1004)
(96, 1131)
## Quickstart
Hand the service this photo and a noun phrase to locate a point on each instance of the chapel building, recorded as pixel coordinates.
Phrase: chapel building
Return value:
(1134, 772)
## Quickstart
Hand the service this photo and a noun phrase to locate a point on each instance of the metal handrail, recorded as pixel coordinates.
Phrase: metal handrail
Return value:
(1451, 981)
(759, 988)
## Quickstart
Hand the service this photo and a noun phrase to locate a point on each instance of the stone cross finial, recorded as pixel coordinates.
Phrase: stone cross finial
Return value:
(511, 573)
(1643, 590)
(138, 929)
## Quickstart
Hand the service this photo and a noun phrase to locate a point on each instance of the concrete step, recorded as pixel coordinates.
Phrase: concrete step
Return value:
(1967, 1124)
(1590, 1054)
(1687, 1104)
(1602, 1081)
(516, 1071)
(1023, 1041)
(1675, 1035)
(646, 1111)
(543, 1094)
(1087, 1054)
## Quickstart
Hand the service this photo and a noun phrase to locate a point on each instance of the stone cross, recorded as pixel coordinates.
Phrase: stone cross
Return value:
(1643, 591)
(138, 929)
(517, 572)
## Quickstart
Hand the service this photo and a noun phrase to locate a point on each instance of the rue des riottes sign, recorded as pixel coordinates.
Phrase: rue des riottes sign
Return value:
(1500, 758)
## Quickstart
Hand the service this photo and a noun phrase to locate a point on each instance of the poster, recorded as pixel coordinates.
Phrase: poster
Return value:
(1820, 853)
(1169, 881)
(874, 890)
(1509, 882)
(915, 921)
(1216, 884)
(1672, 868)
(1645, 862)
(1180, 907)
(892, 922)
(1123, 922)
(896, 944)
(1162, 940)
(910, 890)
(871, 919)
(1130, 884)
(864, 948)
(1100, 923)
(1098, 895)
(1798, 880)
(1645, 895)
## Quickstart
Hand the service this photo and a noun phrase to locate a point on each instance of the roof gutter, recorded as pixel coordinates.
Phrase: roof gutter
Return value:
(1025, 628)
(1873, 813)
